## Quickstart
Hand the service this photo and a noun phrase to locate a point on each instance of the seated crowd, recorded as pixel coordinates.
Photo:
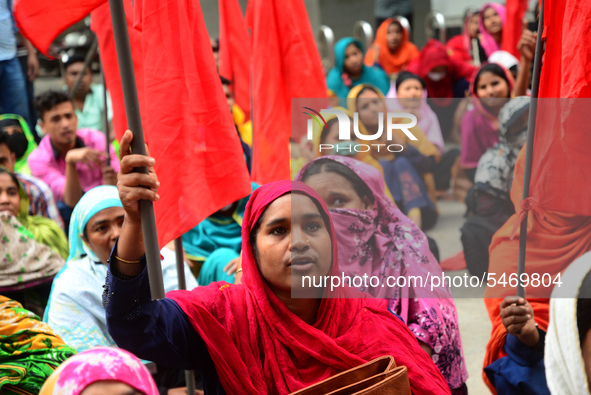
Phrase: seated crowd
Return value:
(75, 308)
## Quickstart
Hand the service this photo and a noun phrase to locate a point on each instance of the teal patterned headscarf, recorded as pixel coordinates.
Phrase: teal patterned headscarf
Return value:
(93, 201)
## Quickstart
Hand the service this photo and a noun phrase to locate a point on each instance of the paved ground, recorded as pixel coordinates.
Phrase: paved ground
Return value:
(474, 323)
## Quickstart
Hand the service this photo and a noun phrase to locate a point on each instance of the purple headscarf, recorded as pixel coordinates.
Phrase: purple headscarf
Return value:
(487, 40)
(383, 242)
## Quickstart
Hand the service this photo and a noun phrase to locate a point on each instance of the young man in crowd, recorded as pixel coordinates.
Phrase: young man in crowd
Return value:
(70, 160)
(88, 97)
(41, 200)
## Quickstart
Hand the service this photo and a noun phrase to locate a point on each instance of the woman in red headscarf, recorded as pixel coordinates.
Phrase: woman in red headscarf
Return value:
(391, 49)
(445, 78)
(255, 337)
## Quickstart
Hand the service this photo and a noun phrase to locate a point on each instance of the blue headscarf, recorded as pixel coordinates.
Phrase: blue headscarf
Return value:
(369, 75)
(93, 201)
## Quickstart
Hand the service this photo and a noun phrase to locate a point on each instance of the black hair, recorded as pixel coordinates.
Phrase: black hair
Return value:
(5, 140)
(12, 175)
(225, 81)
(405, 75)
(397, 23)
(216, 47)
(584, 308)
(47, 100)
(257, 226)
(324, 134)
(75, 58)
(326, 165)
(496, 70)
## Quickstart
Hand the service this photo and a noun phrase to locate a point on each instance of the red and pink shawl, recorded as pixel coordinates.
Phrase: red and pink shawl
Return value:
(260, 347)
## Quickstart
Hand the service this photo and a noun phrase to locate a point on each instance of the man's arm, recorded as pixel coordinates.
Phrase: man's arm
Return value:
(73, 189)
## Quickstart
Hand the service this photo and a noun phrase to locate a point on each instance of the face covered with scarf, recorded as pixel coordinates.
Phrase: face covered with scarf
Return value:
(96, 223)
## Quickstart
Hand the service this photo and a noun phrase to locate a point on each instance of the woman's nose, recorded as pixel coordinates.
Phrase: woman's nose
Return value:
(115, 232)
(298, 242)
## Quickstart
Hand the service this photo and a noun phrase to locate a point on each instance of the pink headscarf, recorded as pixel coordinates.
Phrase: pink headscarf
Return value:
(383, 242)
(260, 347)
(427, 119)
(98, 364)
(487, 40)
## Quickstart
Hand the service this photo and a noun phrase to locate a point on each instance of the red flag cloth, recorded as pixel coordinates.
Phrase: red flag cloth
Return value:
(235, 52)
(561, 175)
(513, 26)
(189, 129)
(285, 65)
(41, 21)
(103, 28)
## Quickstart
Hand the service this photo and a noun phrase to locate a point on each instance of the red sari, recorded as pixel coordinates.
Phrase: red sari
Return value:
(260, 347)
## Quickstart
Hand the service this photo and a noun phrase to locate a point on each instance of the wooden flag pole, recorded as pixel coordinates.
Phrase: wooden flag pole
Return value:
(529, 151)
(180, 268)
(134, 122)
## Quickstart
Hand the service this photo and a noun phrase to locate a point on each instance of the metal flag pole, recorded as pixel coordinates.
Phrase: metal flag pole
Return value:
(134, 122)
(529, 150)
(106, 119)
(180, 268)
(87, 60)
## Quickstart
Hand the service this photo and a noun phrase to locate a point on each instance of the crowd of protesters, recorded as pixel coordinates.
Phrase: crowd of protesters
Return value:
(76, 314)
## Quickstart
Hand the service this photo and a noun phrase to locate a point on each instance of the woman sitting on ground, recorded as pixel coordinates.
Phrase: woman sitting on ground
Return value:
(330, 136)
(408, 173)
(491, 90)
(349, 70)
(33, 247)
(376, 239)
(409, 94)
(391, 49)
(75, 309)
(29, 350)
(256, 337)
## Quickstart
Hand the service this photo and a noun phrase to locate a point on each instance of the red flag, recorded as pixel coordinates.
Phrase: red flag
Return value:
(235, 52)
(561, 175)
(41, 21)
(103, 28)
(285, 65)
(188, 127)
(513, 26)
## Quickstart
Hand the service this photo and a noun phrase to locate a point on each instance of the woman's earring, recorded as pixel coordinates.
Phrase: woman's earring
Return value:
(308, 241)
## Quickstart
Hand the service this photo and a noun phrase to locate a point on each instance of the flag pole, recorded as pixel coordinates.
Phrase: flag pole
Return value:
(529, 150)
(87, 60)
(134, 122)
(180, 269)
(106, 118)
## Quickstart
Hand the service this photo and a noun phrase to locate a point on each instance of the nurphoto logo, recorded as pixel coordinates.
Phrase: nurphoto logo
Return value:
(344, 124)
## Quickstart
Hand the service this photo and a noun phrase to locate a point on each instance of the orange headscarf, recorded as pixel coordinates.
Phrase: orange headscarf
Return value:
(391, 62)
(554, 241)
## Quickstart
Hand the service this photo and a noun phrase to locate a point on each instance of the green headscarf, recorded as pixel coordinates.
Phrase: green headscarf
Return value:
(43, 230)
(21, 165)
